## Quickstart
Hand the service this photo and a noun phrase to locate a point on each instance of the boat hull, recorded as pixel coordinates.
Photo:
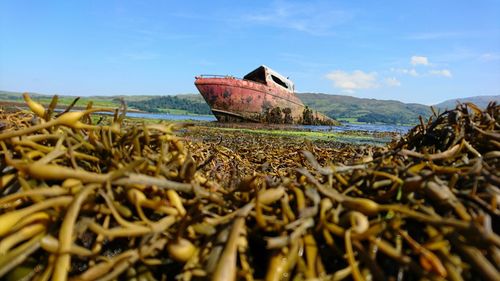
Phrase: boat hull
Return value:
(233, 100)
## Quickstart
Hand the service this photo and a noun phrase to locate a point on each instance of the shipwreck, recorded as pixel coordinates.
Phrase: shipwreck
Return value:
(262, 95)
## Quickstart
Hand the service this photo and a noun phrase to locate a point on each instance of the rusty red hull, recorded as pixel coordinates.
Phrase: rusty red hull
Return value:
(233, 99)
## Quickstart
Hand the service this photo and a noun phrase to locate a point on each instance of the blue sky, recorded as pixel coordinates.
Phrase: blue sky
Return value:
(412, 51)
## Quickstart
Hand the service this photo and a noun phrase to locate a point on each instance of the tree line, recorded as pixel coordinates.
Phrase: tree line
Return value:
(387, 118)
(159, 104)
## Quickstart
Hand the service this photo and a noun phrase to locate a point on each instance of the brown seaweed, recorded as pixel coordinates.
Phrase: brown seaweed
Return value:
(129, 200)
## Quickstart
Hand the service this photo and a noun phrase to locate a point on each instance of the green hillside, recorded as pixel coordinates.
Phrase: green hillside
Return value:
(365, 110)
(107, 101)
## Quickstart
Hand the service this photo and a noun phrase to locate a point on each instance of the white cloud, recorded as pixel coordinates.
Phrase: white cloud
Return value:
(392, 82)
(431, 70)
(416, 60)
(442, 72)
(411, 72)
(414, 73)
(353, 81)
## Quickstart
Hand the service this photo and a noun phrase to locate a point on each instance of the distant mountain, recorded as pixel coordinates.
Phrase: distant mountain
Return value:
(365, 110)
(481, 101)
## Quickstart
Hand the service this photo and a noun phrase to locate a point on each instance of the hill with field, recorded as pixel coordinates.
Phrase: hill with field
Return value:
(352, 109)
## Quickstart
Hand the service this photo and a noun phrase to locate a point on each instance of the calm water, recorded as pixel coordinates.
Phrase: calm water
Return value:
(345, 127)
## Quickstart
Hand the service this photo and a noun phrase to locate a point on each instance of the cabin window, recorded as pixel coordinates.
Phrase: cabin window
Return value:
(279, 82)
(258, 75)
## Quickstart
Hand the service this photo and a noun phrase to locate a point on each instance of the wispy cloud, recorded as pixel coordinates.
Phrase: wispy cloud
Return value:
(309, 17)
(406, 71)
(419, 60)
(452, 34)
(392, 82)
(412, 72)
(441, 72)
(489, 57)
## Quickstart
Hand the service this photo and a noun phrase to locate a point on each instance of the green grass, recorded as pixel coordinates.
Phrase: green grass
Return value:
(352, 120)
(347, 137)
(176, 111)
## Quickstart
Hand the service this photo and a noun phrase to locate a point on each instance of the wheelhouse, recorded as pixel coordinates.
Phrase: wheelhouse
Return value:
(267, 76)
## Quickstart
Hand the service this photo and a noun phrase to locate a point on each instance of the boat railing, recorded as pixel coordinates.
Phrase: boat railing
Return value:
(215, 76)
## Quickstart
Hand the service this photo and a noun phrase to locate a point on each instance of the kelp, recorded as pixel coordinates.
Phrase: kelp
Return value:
(124, 200)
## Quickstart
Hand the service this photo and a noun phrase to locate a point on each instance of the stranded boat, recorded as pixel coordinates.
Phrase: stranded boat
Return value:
(263, 95)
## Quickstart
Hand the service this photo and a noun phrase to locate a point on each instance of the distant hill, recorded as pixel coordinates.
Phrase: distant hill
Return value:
(101, 101)
(180, 104)
(481, 101)
(365, 110)
(342, 108)
(14, 96)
